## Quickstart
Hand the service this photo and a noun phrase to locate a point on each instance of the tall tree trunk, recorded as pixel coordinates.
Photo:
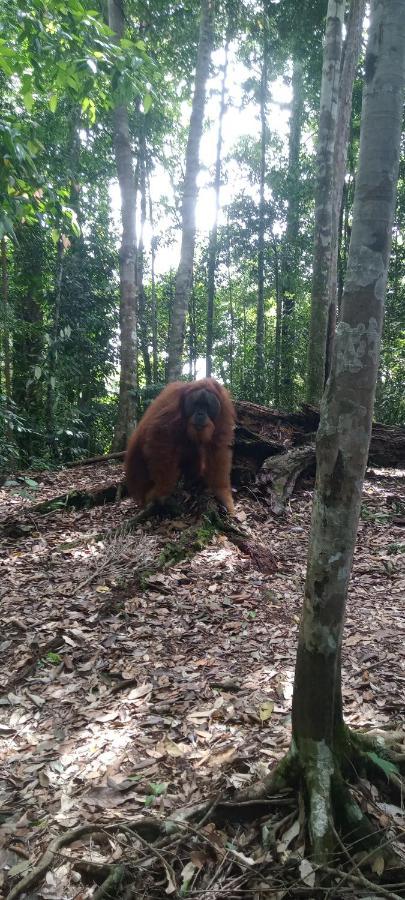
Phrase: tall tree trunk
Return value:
(192, 336)
(324, 200)
(351, 53)
(345, 426)
(213, 240)
(126, 416)
(185, 269)
(260, 361)
(76, 245)
(231, 305)
(28, 333)
(288, 275)
(53, 354)
(155, 362)
(6, 323)
(277, 337)
(344, 235)
(140, 259)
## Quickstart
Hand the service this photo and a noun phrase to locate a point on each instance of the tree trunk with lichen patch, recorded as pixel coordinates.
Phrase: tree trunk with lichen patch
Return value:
(351, 52)
(345, 427)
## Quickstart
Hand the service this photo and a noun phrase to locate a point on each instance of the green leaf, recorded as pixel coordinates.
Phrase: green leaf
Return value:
(126, 44)
(266, 710)
(388, 767)
(53, 102)
(55, 235)
(88, 106)
(157, 788)
(53, 658)
(31, 483)
(28, 101)
(147, 103)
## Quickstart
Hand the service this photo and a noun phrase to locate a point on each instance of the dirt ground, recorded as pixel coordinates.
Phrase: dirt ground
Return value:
(122, 695)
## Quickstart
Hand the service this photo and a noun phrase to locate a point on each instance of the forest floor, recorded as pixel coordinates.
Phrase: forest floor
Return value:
(119, 697)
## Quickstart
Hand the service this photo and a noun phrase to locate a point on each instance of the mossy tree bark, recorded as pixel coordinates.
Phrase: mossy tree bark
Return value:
(351, 52)
(345, 425)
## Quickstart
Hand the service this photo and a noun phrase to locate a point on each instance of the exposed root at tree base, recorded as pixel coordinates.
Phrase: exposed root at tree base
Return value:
(253, 844)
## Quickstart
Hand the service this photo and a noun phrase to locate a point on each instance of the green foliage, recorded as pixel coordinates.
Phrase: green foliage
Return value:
(12, 426)
(388, 767)
(54, 658)
(157, 789)
(61, 73)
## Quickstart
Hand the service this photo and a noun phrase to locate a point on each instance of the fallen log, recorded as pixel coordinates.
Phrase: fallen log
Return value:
(279, 474)
(266, 452)
(92, 460)
(387, 447)
(262, 432)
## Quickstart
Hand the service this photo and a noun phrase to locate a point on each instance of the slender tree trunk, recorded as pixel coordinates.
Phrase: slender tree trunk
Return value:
(6, 323)
(28, 338)
(126, 416)
(244, 340)
(155, 362)
(213, 240)
(232, 334)
(351, 53)
(343, 250)
(260, 363)
(288, 275)
(277, 337)
(140, 258)
(324, 200)
(170, 302)
(185, 269)
(53, 354)
(231, 305)
(192, 336)
(345, 426)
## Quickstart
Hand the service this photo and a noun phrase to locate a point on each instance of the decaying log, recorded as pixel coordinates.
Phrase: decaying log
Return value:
(279, 475)
(387, 447)
(262, 432)
(271, 449)
(92, 460)
(294, 435)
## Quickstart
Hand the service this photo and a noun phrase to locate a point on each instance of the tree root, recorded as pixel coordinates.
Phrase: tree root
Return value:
(285, 777)
(148, 825)
(361, 881)
(336, 823)
(97, 496)
(382, 764)
(108, 889)
(34, 877)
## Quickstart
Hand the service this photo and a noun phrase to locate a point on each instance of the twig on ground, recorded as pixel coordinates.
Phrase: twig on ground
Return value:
(360, 881)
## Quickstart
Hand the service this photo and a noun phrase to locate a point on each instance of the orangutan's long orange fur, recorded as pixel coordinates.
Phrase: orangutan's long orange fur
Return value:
(164, 446)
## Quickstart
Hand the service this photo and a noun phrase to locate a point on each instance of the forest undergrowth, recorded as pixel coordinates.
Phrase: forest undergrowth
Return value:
(133, 688)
